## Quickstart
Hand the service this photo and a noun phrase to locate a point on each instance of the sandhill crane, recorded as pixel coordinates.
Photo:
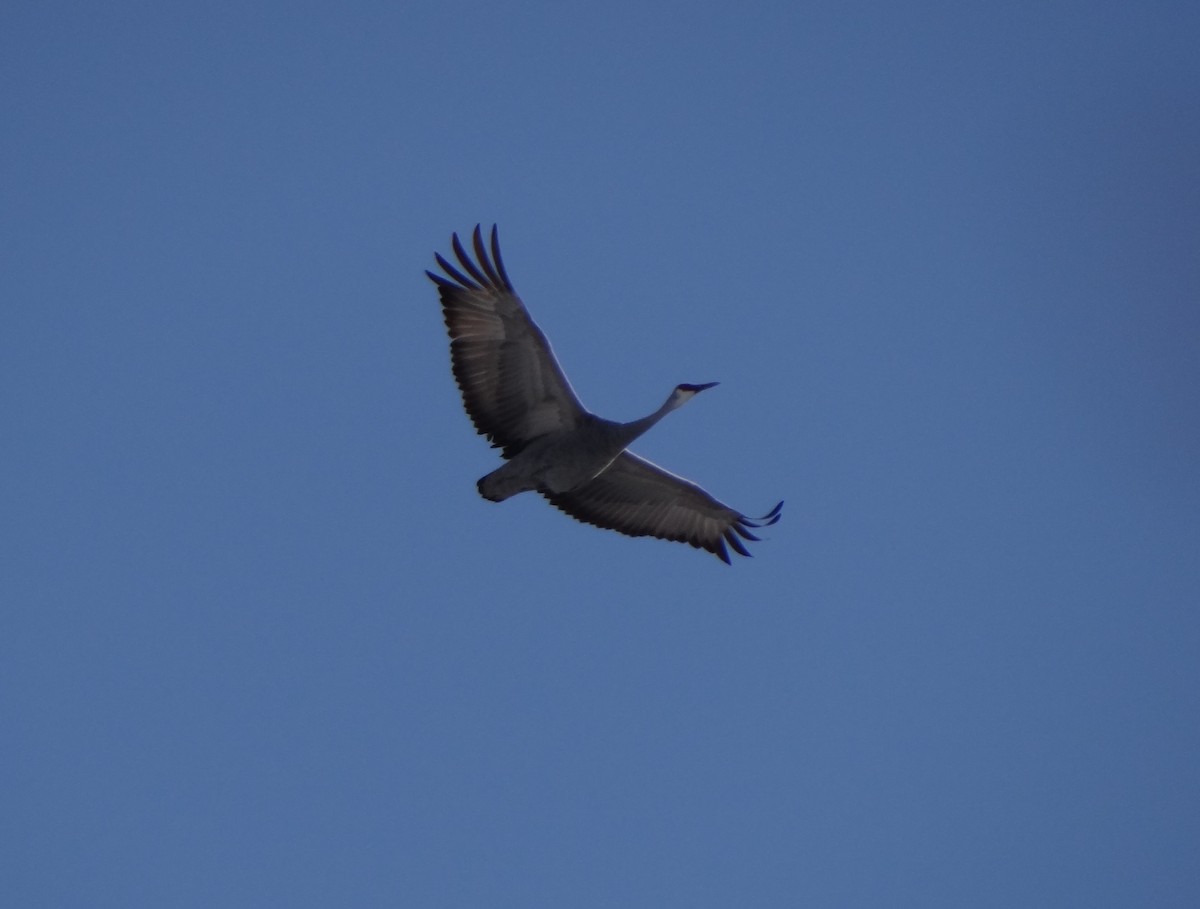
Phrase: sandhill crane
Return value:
(516, 395)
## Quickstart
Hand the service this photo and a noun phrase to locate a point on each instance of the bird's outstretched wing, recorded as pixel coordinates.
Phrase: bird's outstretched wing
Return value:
(640, 499)
(512, 386)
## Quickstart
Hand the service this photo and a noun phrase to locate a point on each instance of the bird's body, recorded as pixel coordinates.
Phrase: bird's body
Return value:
(557, 462)
(562, 461)
(516, 394)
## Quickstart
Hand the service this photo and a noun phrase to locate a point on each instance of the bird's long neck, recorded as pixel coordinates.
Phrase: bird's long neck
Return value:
(630, 431)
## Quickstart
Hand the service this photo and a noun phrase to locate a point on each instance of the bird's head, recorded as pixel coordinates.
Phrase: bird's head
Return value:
(684, 393)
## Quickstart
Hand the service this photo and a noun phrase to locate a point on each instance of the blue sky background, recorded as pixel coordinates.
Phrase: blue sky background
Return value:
(262, 642)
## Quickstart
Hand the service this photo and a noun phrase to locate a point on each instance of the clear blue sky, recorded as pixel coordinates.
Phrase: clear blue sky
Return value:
(263, 644)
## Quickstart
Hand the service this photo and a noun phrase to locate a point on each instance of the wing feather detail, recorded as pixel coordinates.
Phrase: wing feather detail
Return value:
(638, 498)
(512, 386)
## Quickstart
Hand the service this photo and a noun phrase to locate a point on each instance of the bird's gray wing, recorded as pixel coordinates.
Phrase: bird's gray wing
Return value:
(512, 386)
(638, 498)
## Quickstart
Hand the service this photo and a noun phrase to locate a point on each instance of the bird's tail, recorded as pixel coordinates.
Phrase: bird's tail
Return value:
(502, 484)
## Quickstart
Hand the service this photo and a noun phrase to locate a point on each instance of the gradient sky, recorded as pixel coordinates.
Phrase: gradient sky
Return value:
(263, 644)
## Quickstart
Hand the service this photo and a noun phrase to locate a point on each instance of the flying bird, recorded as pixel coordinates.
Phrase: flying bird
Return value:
(518, 397)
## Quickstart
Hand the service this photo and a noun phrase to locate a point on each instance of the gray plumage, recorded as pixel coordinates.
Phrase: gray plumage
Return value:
(517, 396)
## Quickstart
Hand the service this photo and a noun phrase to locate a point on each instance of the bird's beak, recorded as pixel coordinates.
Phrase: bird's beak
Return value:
(707, 385)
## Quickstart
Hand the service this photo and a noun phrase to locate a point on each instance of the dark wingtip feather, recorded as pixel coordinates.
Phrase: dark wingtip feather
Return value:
(721, 552)
(771, 517)
(454, 272)
(496, 258)
(482, 256)
(470, 266)
(732, 540)
(744, 533)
